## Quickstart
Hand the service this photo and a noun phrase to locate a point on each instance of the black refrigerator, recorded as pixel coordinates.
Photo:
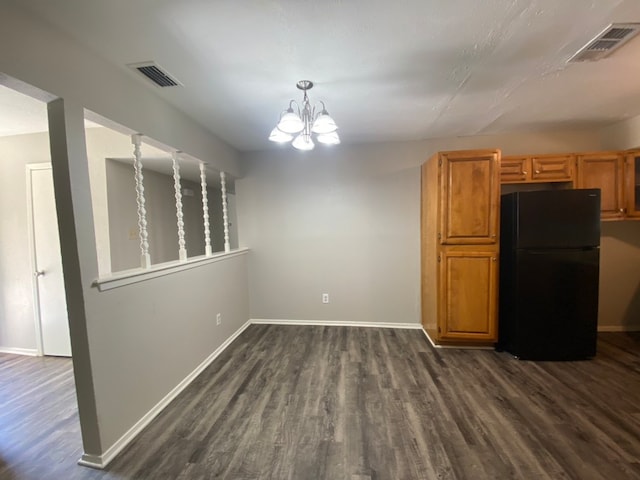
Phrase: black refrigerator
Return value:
(549, 270)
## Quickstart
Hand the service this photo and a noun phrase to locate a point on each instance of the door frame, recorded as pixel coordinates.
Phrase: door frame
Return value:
(29, 169)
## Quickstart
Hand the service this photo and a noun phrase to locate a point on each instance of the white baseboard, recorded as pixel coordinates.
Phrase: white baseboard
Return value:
(334, 323)
(101, 461)
(618, 328)
(456, 347)
(32, 352)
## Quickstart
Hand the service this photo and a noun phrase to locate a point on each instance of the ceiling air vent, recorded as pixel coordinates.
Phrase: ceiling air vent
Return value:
(155, 73)
(610, 39)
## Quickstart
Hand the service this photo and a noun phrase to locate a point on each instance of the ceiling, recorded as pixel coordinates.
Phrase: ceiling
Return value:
(20, 114)
(388, 71)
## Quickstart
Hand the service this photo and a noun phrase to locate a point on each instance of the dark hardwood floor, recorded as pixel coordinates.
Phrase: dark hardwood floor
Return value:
(304, 403)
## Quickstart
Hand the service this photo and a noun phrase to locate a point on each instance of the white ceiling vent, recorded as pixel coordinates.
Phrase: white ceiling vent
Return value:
(609, 40)
(155, 73)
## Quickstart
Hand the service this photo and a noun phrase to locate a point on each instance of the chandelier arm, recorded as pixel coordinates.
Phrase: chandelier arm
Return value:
(292, 103)
(319, 112)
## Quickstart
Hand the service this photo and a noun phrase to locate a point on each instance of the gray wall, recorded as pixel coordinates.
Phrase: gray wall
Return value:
(147, 337)
(346, 222)
(17, 316)
(133, 345)
(622, 135)
(620, 275)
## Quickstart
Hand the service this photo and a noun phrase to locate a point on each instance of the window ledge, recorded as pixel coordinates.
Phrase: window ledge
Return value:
(129, 277)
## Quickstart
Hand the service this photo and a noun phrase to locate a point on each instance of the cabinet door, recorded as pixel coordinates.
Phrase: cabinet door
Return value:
(604, 171)
(556, 168)
(469, 295)
(632, 176)
(470, 197)
(514, 169)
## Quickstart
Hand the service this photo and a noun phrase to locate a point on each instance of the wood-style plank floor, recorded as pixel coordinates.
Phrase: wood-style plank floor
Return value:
(307, 402)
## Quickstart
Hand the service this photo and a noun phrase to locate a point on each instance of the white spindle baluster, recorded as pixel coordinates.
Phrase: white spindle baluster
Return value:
(205, 210)
(182, 250)
(225, 215)
(145, 258)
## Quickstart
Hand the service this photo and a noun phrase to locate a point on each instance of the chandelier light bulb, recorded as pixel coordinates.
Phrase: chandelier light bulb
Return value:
(303, 142)
(305, 122)
(279, 136)
(331, 138)
(290, 122)
(324, 123)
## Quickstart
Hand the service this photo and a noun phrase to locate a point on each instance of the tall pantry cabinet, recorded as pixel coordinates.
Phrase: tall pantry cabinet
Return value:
(460, 208)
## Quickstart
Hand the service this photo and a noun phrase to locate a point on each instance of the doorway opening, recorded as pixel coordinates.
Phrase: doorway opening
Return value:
(32, 354)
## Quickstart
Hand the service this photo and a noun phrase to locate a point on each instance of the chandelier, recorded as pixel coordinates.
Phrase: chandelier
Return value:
(305, 121)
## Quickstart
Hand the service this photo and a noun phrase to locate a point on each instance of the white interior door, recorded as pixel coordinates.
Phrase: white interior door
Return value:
(51, 305)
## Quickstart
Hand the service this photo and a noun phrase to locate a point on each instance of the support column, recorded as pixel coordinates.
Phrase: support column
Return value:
(79, 255)
(225, 215)
(145, 258)
(182, 250)
(205, 210)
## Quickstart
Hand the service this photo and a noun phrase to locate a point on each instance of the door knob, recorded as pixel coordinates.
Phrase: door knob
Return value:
(38, 273)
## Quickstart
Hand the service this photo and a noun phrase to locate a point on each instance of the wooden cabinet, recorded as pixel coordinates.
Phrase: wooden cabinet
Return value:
(515, 169)
(469, 295)
(552, 168)
(536, 169)
(469, 196)
(604, 170)
(615, 173)
(460, 247)
(632, 179)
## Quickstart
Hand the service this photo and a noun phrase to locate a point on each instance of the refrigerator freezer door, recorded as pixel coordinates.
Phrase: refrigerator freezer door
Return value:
(553, 312)
(557, 219)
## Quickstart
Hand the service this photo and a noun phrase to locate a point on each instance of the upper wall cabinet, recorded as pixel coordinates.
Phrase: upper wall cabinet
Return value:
(604, 170)
(470, 197)
(515, 169)
(534, 169)
(632, 177)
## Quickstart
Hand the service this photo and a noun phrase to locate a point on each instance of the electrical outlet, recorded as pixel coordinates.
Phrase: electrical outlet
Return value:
(218, 319)
(325, 298)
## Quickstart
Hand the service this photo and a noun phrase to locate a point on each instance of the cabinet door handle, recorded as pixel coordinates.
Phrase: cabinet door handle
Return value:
(537, 171)
(622, 210)
(524, 172)
(493, 259)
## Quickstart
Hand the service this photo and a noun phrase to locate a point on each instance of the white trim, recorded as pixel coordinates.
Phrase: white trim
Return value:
(619, 328)
(32, 352)
(129, 277)
(30, 167)
(457, 347)
(327, 323)
(101, 461)
(92, 461)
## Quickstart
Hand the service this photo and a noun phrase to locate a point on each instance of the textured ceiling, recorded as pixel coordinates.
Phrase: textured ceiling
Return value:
(21, 114)
(388, 71)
